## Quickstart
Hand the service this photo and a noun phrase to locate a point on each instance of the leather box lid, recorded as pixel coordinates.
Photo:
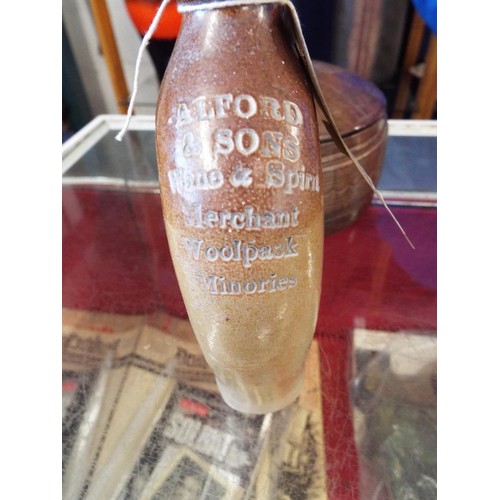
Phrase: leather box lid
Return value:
(355, 103)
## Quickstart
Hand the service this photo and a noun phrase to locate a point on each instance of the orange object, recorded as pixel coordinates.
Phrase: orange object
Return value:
(142, 13)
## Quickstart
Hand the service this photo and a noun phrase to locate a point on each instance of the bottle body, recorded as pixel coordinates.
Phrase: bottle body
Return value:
(240, 178)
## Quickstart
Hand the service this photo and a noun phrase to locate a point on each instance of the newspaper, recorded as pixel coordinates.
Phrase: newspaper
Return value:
(394, 393)
(143, 419)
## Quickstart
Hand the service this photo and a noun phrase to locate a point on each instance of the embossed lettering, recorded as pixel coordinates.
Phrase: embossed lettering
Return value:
(239, 251)
(292, 113)
(184, 180)
(192, 246)
(222, 285)
(184, 115)
(278, 176)
(222, 105)
(224, 143)
(276, 145)
(291, 150)
(243, 106)
(202, 109)
(248, 218)
(241, 176)
(280, 149)
(191, 145)
(271, 144)
(271, 108)
(246, 141)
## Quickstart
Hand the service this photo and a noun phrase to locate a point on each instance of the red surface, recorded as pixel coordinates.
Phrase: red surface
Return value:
(116, 259)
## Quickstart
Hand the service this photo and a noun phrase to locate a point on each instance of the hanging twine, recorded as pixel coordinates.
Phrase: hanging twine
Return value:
(142, 48)
(305, 57)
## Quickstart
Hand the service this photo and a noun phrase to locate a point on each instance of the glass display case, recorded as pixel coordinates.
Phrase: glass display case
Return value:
(142, 417)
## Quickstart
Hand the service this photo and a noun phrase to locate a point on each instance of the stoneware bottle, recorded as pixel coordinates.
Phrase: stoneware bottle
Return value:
(241, 187)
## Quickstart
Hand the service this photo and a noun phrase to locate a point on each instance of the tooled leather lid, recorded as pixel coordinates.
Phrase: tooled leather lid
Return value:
(354, 103)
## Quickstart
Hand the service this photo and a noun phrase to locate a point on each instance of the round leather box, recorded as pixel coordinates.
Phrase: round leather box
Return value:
(359, 110)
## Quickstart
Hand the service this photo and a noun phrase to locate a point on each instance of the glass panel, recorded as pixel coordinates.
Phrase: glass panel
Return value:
(410, 164)
(132, 159)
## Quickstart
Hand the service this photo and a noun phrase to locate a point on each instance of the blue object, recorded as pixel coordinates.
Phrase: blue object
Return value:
(427, 10)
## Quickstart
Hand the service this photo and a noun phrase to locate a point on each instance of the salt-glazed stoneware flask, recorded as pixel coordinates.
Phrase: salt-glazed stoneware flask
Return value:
(241, 186)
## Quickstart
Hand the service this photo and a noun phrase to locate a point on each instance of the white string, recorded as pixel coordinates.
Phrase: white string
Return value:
(140, 54)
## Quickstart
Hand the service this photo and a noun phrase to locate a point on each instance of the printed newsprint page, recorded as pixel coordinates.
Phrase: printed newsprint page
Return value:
(143, 419)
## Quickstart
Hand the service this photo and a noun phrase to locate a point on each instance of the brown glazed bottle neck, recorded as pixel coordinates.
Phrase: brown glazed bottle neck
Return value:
(235, 31)
(235, 49)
